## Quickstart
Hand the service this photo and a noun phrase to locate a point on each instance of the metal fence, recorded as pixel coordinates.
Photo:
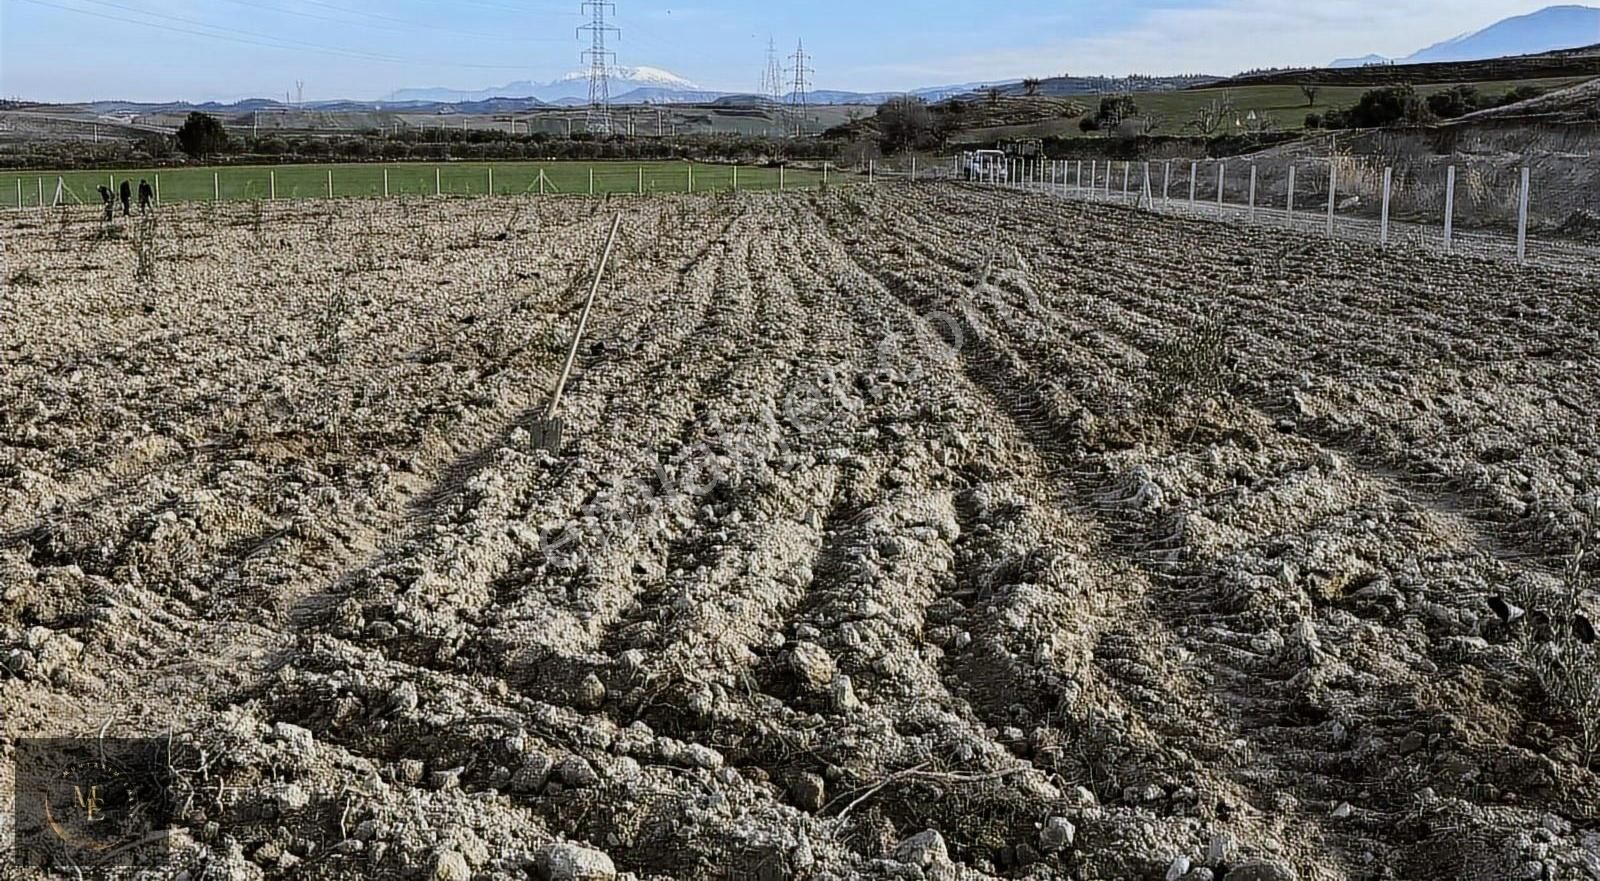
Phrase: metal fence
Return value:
(1490, 208)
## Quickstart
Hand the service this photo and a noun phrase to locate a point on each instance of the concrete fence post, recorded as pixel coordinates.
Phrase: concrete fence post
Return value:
(1194, 180)
(591, 180)
(1388, 189)
(641, 180)
(272, 185)
(1449, 209)
(1166, 184)
(1289, 208)
(386, 183)
(490, 189)
(781, 170)
(1222, 182)
(19, 194)
(438, 183)
(1333, 192)
(1522, 215)
(41, 192)
(736, 178)
(1126, 174)
(1252, 192)
(1079, 184)
(330, 183)
(1094, 169)
(156, 184)
(913, 169)
(216, 187)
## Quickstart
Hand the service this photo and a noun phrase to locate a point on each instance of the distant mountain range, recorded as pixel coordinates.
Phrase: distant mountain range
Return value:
(1549, 29)
(644, 85)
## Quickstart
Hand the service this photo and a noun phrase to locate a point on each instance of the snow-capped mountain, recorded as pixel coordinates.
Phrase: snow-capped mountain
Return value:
(572, 86)
(1549, 29)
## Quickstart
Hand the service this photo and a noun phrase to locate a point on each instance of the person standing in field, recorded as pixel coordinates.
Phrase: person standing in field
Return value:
(127, 198)
(110, 200)
(147, 195)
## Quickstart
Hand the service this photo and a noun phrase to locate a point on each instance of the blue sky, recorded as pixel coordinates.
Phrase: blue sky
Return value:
(363, 49)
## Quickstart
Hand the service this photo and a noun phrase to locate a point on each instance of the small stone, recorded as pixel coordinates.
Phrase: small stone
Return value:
(1178, 868)
(1221, 848)
(844, 695)
(446, 779)
(812, 665)
(571, 862)
(1261, 870)
(1058, 833)
(449, 865)
(298, 740)
(590, 693)
(291, 798)
(1343, 811)
(409, 771)
(382, 630)
(698, 755)
(633, 662)
(575, 771)
(403, 698)
(926, 848)
(808, 792)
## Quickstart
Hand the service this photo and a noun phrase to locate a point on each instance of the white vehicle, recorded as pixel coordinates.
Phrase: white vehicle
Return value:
(984, 165)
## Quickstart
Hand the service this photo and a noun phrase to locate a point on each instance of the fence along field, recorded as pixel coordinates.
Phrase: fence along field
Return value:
(36, 189)
(1522, 208)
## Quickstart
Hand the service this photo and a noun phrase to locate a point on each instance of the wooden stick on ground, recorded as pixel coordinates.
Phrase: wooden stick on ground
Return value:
(550, 418)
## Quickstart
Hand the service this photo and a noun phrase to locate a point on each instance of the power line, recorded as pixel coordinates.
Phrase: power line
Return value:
(252, 38)
(402, 26)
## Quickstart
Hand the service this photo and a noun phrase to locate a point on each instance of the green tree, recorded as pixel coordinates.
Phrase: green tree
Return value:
(1390, 105)
(202, 135)
(1455, 101)
(1113, 110)
(905, 123)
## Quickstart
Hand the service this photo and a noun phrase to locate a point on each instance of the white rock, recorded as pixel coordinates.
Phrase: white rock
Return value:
(1058, 833)
(926, 848)
(571, 862)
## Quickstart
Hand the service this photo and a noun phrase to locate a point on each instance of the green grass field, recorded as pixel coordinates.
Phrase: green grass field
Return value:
(22, 189)
(1285, 105)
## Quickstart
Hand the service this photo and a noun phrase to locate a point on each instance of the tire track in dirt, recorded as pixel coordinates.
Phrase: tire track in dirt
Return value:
(1017, 391)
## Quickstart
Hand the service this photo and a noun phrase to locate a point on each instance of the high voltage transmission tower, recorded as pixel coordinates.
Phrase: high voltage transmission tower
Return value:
(599, 59)
(772, 82)
(797, 98)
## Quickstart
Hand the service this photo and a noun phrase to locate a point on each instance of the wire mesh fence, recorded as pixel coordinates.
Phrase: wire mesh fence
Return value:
(1504, 206)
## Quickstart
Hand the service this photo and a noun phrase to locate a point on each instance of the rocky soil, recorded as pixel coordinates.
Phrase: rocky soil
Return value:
(923, 532)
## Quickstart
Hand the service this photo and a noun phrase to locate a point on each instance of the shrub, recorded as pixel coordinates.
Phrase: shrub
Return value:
(1390, 105)
(203, 135)
(1518, 95)
(1313, 120)
(1455, 102)
(1088, 124)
